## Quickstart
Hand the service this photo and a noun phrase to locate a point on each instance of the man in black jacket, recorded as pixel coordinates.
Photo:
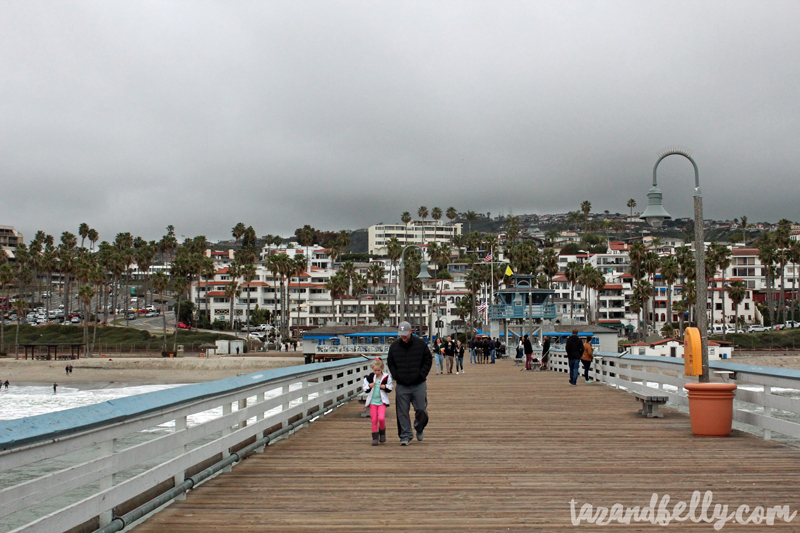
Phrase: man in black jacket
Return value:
(574, 348)
(409, 362)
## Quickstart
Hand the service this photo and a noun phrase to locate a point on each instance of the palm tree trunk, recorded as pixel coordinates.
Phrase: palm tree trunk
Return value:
(724, 333)
(164, 321)
(16, 341)
(177, 314)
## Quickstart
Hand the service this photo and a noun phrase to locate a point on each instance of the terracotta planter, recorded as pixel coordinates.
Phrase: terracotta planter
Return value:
(711, 408)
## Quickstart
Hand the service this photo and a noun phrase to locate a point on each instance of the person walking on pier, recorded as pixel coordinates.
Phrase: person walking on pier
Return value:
(459, 357)
(586, 358)
(377, 386)
(438, 353)
(545, 352)
(409, 363)
(473, 358)
(574, 348)
(527, 347)
(449, 354)
(66, 368)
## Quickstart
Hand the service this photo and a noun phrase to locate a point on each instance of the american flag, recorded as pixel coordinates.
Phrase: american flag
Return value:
(487, 258)
(482, 306)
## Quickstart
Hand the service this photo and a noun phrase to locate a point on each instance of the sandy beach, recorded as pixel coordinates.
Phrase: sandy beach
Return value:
(138, 370)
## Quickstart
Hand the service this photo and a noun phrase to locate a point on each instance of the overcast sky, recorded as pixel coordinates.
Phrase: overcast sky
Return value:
(134, 115)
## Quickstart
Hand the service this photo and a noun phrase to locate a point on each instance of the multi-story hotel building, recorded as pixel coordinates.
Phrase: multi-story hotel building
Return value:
(415, 232)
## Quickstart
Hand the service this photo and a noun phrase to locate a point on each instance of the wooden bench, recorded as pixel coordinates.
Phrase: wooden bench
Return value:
(725, 375)
(650, 404)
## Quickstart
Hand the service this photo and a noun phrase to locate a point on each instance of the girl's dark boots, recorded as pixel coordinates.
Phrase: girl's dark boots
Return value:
(382, 434)
(375, 439)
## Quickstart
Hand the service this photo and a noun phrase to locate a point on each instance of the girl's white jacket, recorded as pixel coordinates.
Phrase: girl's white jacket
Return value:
(386, 379)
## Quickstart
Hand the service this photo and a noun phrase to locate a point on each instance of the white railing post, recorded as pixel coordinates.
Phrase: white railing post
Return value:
(242, 405)
(180, 425)
(767, 410)
(107, 448)
(259, 417)
(227, 408)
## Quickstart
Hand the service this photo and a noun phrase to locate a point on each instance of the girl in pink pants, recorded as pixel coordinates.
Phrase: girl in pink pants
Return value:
(377, 387)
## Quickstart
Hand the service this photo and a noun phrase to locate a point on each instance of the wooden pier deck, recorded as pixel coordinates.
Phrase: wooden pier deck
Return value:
(505, 451)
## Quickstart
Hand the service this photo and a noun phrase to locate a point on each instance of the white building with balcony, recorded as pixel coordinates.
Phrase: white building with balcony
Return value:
(416, 232)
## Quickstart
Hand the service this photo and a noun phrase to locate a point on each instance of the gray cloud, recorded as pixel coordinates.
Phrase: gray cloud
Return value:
(131, 116)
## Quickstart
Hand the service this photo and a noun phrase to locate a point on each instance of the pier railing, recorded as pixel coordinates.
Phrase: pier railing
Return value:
(89, 466)
(767, 399)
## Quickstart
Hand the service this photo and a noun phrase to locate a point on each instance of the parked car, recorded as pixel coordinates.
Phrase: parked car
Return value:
(152, 313)
(181, 325)
(756, 328)
(733, 330)
(131, 316)
(75, 320)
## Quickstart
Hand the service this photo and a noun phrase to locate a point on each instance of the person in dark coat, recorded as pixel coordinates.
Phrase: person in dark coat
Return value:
(545, 352)
(409, 362)
(574, 348)
(527, 347)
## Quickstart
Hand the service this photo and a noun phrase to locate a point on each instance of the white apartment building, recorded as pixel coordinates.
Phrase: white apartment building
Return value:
(10, 238)
(416, 232)
(310, 304)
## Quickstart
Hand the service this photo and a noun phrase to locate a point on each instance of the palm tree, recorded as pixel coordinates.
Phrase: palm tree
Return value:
(359, 285)
(451, 214)
(93, 237)
(572, 273)
(794, 257)
(248, 273)
(722, 257)
(670, 270)
(744, 230)
(6, 277)
(470, 216)
(631, 204)
(19, 306)
(651, 264)
(86, 293)
(405, 218)
(783, 242)
(333, 285)
(375, 275)
(550, 264)
(680, 308)
(643, 290)
(238, 231)
(179, 286)
(422, 212)
(208, 270)
(66, 258)
(736, 291)
(83, 231)
(586, 208)
(436, 213)
(767, 254)
(381, 311)
(160, 285)
(232, 290)
(299, 265)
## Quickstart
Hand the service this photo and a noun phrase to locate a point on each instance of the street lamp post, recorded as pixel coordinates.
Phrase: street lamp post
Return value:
(423, 276)
(655, 214)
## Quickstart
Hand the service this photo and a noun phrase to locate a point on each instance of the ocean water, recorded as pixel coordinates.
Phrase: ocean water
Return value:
(23, 401)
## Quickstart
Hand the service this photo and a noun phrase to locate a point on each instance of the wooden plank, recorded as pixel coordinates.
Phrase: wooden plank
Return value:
(505, 451)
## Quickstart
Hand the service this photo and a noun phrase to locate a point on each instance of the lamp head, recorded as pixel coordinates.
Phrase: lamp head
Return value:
(423, 272)
(655, 213)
